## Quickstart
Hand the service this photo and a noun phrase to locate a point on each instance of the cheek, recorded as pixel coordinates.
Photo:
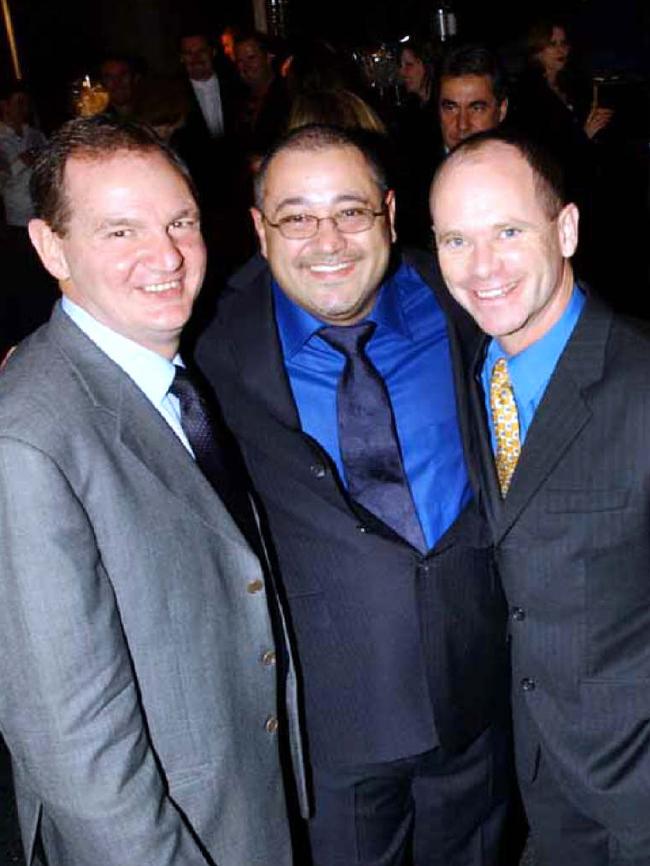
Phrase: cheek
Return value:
(454, 269)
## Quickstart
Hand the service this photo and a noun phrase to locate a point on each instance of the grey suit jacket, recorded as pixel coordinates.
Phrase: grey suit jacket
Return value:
(573, 549)
(136, 697)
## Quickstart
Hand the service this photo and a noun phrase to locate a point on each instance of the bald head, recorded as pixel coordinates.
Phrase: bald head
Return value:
(504, 240)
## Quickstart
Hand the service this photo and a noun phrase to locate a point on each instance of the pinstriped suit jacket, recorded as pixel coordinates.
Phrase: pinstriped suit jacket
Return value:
(573, 550)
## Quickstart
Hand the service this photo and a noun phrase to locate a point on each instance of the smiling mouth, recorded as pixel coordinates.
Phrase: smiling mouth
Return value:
(159, 288)
(331, 269)
(492, 294)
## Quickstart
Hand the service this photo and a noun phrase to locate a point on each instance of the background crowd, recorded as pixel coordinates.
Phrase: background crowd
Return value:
(234, 92)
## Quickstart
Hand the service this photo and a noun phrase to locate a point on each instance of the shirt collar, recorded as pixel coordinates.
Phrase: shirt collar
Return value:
(535, 364)
(297, 326)
(204, 83)
(151, 372)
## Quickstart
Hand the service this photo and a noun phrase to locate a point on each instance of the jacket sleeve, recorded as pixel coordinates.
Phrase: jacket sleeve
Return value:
(69, 706)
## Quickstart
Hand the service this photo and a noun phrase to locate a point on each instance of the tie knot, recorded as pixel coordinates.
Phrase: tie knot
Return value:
(500, 375)
(183, 386)
(348, 339)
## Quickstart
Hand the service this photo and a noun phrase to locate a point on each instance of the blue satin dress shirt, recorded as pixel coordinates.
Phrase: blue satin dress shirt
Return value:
(410, 349)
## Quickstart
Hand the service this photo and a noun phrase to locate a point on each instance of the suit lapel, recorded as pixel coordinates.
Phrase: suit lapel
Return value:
(561, 415)
(141, 428)
(256, 344)
(488, 493)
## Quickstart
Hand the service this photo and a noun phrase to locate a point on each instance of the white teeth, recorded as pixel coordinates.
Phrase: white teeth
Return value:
(486, 294)
(329, 269)
(492, 293)
(162, 287)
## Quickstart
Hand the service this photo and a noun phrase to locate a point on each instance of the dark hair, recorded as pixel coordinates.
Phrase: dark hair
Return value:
(315, 137)
(547, 173)
(261, 39)
(540, 33)
(92, 138)
(426, 54)
(137, 66)
(475, 60)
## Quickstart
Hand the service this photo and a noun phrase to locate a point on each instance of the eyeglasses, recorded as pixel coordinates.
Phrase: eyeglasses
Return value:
(349, 221)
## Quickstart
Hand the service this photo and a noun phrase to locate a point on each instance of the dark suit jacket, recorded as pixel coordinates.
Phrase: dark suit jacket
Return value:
(573, 551)
(210, 159)
(388, 640)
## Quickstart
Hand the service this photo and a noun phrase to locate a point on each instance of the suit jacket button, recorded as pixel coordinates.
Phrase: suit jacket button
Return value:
(527, 684)
(518, 614)
(268, 658)
(271, 725)
(255, 586)
(318, 470)
(362, 529)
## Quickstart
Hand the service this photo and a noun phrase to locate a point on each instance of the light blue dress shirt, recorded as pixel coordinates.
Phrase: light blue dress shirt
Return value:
(531, 370)
(151, 372)
(410, 349)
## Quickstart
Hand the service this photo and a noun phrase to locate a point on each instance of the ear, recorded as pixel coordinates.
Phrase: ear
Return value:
(258, 222)
(503, 110)
(390, 208)
(567, 227)
(49, 247)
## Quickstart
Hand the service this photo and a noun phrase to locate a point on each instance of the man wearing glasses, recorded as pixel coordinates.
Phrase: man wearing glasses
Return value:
(332, 360)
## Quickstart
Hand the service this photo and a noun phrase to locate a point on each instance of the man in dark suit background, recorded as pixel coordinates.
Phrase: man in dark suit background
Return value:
(564, 482)
(212, 84)
(139, 675)
(206, 138)
(385, 568)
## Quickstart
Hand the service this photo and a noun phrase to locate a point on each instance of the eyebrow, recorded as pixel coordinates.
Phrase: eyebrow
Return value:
(303, 201)
(112, 222)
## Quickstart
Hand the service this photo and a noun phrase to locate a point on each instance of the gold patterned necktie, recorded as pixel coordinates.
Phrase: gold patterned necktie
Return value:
(506, 424)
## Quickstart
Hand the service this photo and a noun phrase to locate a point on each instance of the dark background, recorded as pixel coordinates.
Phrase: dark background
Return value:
(58, 41)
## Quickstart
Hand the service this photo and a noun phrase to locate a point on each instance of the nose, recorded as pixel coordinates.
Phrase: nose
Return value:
(328, 237)
(464, 123)
(483, 261)
(163, 253)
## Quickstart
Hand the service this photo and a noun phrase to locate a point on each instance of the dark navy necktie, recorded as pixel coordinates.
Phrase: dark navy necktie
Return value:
(216, 454)
(367, 436)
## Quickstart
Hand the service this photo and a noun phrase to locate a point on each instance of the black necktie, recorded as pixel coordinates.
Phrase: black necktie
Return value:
(367, 436)
(216, 454)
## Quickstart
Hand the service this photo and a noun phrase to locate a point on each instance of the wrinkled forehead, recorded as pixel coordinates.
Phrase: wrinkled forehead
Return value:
(84, 169)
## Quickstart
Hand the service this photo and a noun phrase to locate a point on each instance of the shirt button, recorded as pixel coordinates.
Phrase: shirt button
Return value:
(271, 725)
(528, 685)
(255, 586)
(268, 658)
(518, 614)
(317, 470)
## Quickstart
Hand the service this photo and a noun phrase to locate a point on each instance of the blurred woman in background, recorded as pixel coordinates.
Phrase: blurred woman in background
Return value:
(418, 144)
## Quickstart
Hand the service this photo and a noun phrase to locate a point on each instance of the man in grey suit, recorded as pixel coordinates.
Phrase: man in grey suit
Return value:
(561, 407)
(137, 655)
